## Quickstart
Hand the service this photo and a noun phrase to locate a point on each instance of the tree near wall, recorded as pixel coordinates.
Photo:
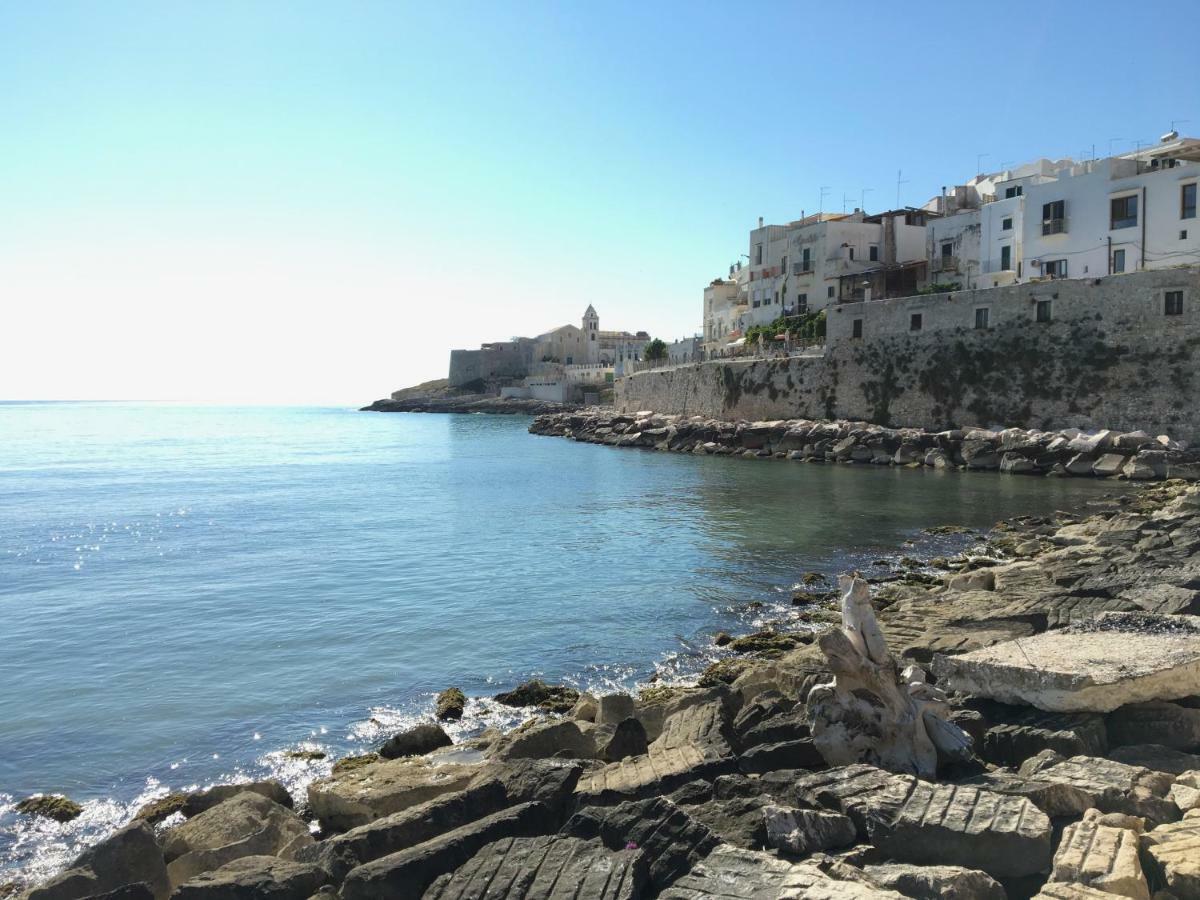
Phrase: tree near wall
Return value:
(655, 350)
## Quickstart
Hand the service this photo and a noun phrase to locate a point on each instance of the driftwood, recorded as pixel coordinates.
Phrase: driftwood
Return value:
(872, 711)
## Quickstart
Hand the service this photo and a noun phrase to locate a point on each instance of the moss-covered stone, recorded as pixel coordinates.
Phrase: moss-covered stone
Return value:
(556, 698)
(660, 693)
(305, 755)
(800, 598)
(768, 643)
(724, 671)
(50, 806)
(157, 810)
(814, 578)
(350, 763)
(450, 704)
(949, 529)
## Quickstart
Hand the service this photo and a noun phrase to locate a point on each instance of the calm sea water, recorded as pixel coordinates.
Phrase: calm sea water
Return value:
(188, 592)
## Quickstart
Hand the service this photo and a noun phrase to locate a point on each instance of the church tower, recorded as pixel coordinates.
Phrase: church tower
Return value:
(591, 333)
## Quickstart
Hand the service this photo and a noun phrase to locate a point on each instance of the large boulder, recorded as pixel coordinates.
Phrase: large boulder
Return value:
(540, 740)
(1098, 666)
(129, 856)
(1172, 857)
(247, 824)
(1110, 787)
(357, 795)
(416, 741)
(549, 697)
(255, 878)
(1102, 854)
(936, 882)
(804, 831)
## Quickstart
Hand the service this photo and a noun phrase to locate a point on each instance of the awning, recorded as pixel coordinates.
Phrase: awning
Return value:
(736, 343)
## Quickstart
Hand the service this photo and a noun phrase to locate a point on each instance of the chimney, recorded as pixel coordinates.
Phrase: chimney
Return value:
(760, 221)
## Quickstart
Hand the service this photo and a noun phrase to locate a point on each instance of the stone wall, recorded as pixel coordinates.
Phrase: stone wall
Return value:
(1108, 357)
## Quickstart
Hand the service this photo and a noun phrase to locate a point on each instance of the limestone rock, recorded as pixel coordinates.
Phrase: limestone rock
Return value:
(50, 806)
(356, 796)
(1110, 786)
(936, 882)
(538, 740)
(253, 878)
(1185, 792)
(628, 739)
(734, 819)
(546, 868)
(1058, 890)
(658, 772)
(199, 801)
(1101, 856)
(1156, 757)
(1172, 857)
(405, 875)
(1024, 732)
(1057, 799)
(705, 726)
(247, 824)
(416, 741)
(801, 754)
(1119, 659)
(129, 856)
(614, 708)
(804, 831)
(671, 840)
(549, 781)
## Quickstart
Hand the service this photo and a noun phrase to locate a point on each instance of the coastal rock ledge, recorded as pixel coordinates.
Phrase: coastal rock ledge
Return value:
(1016, 451)
(1032, 734)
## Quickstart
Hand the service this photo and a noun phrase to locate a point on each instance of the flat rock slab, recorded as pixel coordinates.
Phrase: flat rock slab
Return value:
(1172, 854)
(252, 877)
(937, 882)
(1026, 732)
(1156, 757)
(920, 822)
(657, 772)
(351, 798)
(1109, 786)
(729, 873)
(1118, 659)
(545, 868)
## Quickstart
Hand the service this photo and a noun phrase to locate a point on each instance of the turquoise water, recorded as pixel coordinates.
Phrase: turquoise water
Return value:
(187, 592)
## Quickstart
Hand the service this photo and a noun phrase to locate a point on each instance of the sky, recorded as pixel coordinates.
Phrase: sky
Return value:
(303, 202)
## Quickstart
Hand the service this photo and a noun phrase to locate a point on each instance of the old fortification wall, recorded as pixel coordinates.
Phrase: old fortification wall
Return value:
(1109, 357)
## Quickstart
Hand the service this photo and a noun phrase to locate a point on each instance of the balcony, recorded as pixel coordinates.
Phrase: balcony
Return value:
(945, 264)
(1054, 226)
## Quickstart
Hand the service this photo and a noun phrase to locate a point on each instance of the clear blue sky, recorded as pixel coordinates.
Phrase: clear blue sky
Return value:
(316, 201)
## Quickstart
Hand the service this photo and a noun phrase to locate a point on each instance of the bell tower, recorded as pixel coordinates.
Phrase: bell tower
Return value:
(591, 333)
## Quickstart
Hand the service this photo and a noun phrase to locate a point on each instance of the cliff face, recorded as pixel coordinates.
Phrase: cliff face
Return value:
(1109, 359)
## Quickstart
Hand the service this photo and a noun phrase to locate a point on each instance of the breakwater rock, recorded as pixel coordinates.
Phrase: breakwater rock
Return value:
(471, 403)
(727, 788)
(1134, 455)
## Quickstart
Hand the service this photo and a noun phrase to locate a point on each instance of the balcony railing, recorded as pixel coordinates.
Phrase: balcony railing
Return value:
(1054, 226)
(945, 264)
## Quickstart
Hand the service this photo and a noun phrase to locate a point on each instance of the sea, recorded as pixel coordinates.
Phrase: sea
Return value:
(188, 593)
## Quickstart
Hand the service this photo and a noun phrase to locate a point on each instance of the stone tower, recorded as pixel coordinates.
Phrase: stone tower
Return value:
(591, 333)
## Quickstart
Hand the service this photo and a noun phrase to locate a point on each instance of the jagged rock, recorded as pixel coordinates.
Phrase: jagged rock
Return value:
(550, 781)
(804, 831)
(549, 697)
(1119, 659)
(936, 882)
(942, 824)
(378, 788)
(200, 801)
(399, 831)
(1057, 890)
(50, 806)
(450, 704)
(416, 741)
(1167, 724)
(1022, 733)
(656, 705)
(254, 878)
(671, 839)
(1185, 792)
(730, 873)
(538, 740)
(767, 705)
(1171, 854)
(405, 875)
(1055, 798)
(705, 726)
(628, 739)
(658, 772)
(1102, 856)
(801, 754)
(778, 729)
(1156, 757)
(546, 868)
(735, 820)
(129, 856)
(1111, 786)
(614, 708)
(247, 824)
(872, 711)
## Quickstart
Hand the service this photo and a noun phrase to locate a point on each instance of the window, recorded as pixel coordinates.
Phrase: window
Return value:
(1006, 224)
(802, 304)
(981, 317)
(806, 262)
(1054, 217)
(829, 291)
(758, 254)
(1124, 212)
(1043, 310)
(1055, 268)
(850, 251)
(1118, 261)
(593, 335)
(1173, 303)
(873, 253)
(947, 250)
(1187, 203)
(1183, 234)
(1011, 192)
(857, 328)
(1005, 258)
(914, 322)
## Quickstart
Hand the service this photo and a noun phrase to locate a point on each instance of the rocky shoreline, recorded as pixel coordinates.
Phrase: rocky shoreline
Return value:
(1134, 455)
(470, 403)
(1021, 720)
